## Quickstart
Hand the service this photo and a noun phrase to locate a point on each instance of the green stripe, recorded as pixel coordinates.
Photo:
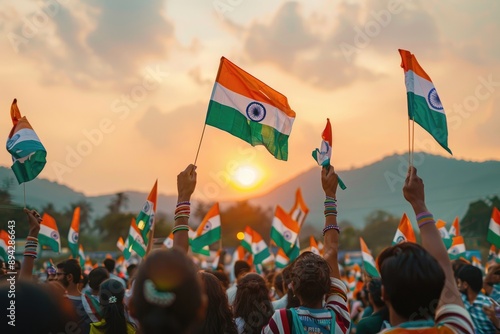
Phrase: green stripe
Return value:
(432, 121)
(455, 256)
(280, 241)
(138, 248)
(201, 251)
(49, 242)
(254, 133)
(144, 232)
(281, 265)
(493, 238)
(24, 148)
(293, 253)
(74, 249)
(261, 256)
(4, 255)
(370, 269)
(31, 167)
(246, 245)
(207, 239)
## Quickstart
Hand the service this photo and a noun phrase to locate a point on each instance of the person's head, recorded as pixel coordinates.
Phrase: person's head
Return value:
(252, 302)
(96, 277)
(167, 295)
(469, 279)
(69, 272)
(219, 318)
(456, 265)
(111, 293)
(292, 300)
(109, 264)
(278, 284)
(310, 278)
(412, 281)
(241, 268)
(374, 288)
(222, 277)
(131, 269)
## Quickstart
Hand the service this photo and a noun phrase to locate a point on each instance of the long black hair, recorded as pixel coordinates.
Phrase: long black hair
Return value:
(111, 293)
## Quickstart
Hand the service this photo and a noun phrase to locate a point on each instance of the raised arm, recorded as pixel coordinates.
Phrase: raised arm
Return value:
(329, 181)
(30, 251)
(186, 183)
(413, 191)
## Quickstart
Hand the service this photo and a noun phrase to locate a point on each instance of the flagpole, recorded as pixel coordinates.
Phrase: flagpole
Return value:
(199, 145)
(412, 140)
(409, 142)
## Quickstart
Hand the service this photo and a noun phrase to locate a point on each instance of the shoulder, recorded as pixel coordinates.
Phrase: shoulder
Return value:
(95, 327)
(454, 317)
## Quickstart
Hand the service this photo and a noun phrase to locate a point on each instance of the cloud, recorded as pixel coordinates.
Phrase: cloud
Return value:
(195, 74)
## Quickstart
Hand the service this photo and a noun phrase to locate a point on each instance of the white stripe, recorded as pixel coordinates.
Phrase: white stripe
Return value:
(24, 135)
(368, 258)
(213, 222)
(47, 231)
(494, 227)
(281, 259)
(287, 234)
(3, 244)
(420, 86)
(274, 117)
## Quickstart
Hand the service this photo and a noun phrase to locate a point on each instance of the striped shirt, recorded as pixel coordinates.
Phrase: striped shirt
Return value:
(450, 319)
(481, 321)
(317, 320)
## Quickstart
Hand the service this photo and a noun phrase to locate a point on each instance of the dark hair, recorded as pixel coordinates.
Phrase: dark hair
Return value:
(278, 283)
(97, 276)
(130, 269)
(221, 276)
(292, 300)
(71, 266)
(167, 273)
(109, 264)
(374, 288)
(310, 277)
(472, 275)
(252, 303)
(84, 279)
(219, 318)
(111, 293)
(240, 268)
(412, 280)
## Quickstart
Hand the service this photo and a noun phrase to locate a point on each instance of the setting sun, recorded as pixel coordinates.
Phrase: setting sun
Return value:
(246, 176)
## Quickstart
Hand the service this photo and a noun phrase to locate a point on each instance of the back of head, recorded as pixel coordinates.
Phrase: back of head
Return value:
(222, 277)
(412, 280)
(375, 292)
(97, 276)
(472, 276)
(111, 293)
(241, 268)
(278, 283)
(310, 278)
(109, 264)
(71, 266)
(167, 295)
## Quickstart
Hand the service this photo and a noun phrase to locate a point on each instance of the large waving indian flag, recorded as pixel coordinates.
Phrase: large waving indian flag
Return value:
(424, 105)
(368, 261)
(249, 109)
(28, 153)
(49, 234)
(74, 232)
(284, 229)
(493, 235)
(4, 244)
(404, 232)
(209, 230)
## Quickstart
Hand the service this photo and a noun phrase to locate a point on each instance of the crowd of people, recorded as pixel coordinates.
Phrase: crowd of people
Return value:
(419, 289)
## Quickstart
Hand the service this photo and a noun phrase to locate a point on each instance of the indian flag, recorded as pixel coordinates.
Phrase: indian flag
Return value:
(404, 232)
(81, 255)
(249, 109)
(454, 228)
(295, 251)
(457, 248)
(368, 261)
(260, 250)
(299, 210)
(120, 244)
(476, 262)
(323, 154)
(281, 259)
(4, 244)
(284, 230)
(247, 239)
(135, 240)
(73, 232)
(493, 235)
(202, 251)
(441, 226)
(424, 104)
(49, 234)
(492, 254)
(209, 230)
(313, 246)
(146, 218)
(28, 153)
(169, 241)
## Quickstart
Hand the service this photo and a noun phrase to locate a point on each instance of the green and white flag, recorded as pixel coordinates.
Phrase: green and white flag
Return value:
(209, 230)
(368, 261)
(49, 234)
(73, 233)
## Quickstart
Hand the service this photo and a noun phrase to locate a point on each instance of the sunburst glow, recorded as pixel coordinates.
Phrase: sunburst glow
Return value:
(246, 176)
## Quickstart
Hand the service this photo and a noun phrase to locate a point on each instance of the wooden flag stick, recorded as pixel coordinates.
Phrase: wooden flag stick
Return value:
(412, 140)
(199, 145)
(409, 142)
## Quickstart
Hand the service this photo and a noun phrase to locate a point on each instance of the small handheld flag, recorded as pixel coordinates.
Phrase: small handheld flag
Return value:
(73, 233)
(146, 218)
(368, 261)
(209, 230)
(323, 155)
(28, 153)
(284, 230)
(493, 235)
(404, 232)
(49, 234)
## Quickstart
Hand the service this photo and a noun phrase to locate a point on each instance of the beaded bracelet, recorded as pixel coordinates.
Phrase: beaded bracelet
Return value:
(424, 218)
(330, 206)
(183, 203)
(180, 228)
(331, 227)
(31, 247)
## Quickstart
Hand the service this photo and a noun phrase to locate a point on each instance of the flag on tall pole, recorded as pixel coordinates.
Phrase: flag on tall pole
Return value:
(249, 109)
(73, 233)
(454, 228)
(368, 261)
(209, 230)
(49, 234)
(404, 232)
(299, 210)
(28, 153)
(424, 104)
(146, 218)
(493, 235)
(284, 230)
(323, 155)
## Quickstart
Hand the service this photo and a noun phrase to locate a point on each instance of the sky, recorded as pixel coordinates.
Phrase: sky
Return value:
(117, 91)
